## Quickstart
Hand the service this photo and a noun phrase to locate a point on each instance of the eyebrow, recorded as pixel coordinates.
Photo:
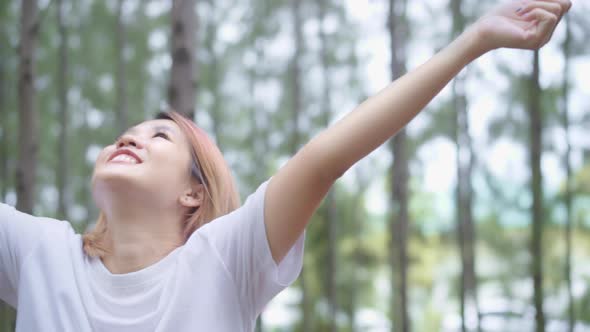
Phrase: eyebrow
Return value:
(164, 128)
(155, 128)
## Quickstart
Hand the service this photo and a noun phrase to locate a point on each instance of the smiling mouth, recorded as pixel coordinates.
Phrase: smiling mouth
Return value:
(124, 156)
(124, 159)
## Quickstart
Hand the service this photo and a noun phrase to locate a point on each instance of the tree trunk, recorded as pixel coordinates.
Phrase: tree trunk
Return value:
(568, 196)
(536, 123)
(356, 260)
(330, 200)
(295, 68)
(464, 191)
(86, 198)
(183, 84)
(464, 206)
(28, 132)
(399, 231)
(121, 42)
(62, 86)
(331, 286)
(363, 183)
(399, 186)
(214, 79)
(28, 128)
(216, 109)
(82, 192)
(3, 135)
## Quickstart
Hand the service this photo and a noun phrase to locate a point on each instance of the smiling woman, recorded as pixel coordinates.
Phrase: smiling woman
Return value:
(170, 130)
(172, 251)
(169, 252)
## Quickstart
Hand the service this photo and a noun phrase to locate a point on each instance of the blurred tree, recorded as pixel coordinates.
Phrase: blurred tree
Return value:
(398, 31)
(62, 87)
(512, 204)
(568, 195)
(211, 75)
(464, 191)
(28, 127)
(360, 257)
(258, 71)
(242, 57)
(4, 136)
(97, 92)
(121, 90)
(259, 125)
(253, 58)
(535, 113)
(89, 66)
(183, 85)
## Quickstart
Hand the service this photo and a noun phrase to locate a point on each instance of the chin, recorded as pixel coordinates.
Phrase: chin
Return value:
(115, 181)
(117, 174)
(119, 183)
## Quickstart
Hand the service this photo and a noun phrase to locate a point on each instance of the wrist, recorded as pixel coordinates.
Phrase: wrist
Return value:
(475, 42)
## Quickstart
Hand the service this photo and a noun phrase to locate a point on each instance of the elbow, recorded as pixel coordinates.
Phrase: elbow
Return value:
(327, 166)
(335, 173)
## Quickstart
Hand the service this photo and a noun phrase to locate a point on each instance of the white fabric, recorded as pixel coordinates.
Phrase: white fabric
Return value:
(220, 280)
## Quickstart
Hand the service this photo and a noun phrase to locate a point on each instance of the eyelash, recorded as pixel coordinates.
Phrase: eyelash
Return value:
(163, 135)
(158, 134)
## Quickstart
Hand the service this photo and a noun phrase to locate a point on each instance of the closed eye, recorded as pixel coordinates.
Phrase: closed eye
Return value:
(161, 134)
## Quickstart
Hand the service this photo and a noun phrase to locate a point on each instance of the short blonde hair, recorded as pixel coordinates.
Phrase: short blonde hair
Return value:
(208, 167)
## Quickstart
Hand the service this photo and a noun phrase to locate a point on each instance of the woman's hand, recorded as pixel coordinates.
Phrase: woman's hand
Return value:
(524, 24)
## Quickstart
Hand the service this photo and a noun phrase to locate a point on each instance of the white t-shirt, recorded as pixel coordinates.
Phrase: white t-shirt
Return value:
(220, 280)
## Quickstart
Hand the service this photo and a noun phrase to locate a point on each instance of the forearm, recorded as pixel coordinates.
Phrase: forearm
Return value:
(383, 115)
(295, 192)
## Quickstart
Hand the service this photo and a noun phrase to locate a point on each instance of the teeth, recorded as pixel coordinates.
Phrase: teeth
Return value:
(125, 158)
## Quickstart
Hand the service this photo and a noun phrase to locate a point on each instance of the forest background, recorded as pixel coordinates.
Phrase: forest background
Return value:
(476, 217)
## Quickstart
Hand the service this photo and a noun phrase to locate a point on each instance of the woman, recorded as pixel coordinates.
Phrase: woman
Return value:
(168, 253)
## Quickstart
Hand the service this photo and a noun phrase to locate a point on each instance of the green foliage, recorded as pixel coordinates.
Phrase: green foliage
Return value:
(244, 101)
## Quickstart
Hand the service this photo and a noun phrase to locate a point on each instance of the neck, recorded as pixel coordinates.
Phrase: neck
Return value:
(139, 236)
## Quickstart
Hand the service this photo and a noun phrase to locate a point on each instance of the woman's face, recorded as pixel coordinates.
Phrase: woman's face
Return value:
(149, 162)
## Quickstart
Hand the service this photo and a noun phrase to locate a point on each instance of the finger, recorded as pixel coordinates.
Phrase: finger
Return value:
(550, 6)
(553, 7)
(543, 30)
(565, 4)
(541, 15)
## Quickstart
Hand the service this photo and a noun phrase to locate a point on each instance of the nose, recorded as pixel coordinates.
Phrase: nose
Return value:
(129, 140)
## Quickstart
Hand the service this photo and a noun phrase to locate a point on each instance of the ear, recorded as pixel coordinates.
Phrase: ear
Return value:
(192, 197)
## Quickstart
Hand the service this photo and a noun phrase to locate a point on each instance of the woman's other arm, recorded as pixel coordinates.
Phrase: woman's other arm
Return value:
(19, 234)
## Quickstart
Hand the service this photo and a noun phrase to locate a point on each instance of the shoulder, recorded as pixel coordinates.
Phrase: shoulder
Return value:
(19, 223)
(239, 223)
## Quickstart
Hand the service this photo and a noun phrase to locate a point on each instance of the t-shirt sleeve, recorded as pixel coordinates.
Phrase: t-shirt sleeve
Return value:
(241, 242)
(19, 234)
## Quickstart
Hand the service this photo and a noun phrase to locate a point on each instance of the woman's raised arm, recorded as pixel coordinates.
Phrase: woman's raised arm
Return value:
(297, 189)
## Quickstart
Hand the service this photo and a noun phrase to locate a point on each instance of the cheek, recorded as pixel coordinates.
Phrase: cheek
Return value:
(103, 155)
(172, 159)
(171, 168)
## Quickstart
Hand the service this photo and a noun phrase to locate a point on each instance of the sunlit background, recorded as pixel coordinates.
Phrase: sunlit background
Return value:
(244, 52)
